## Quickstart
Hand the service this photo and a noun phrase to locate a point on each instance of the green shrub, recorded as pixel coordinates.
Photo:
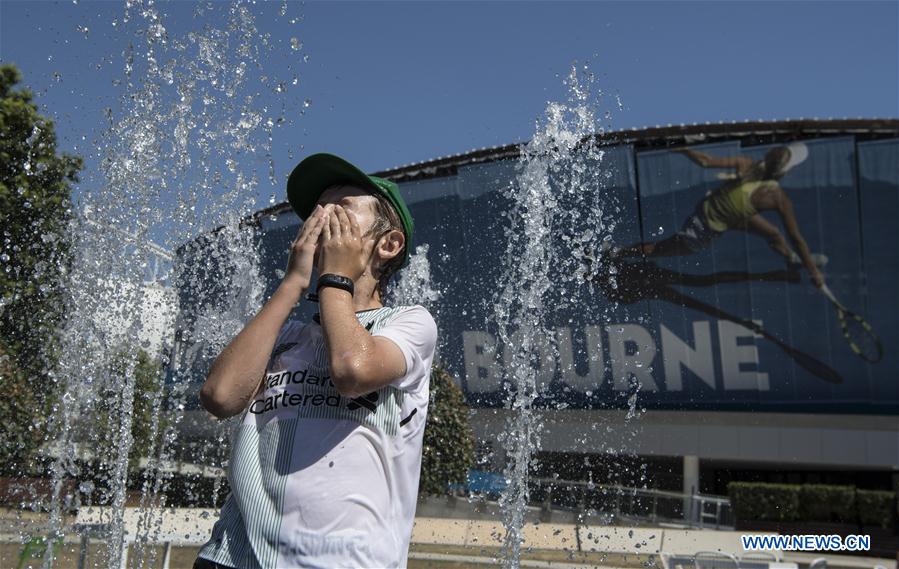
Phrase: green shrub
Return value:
(23, 415)
(764, 502)
(827, 503)
(448, 446)
(147, 413)
(875, 507)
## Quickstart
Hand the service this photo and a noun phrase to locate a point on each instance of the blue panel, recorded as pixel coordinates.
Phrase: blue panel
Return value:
(672, 188)
(879, 186)
(687, 307)
(825, 201)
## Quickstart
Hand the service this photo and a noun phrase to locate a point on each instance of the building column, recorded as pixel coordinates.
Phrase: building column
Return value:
(691, 485)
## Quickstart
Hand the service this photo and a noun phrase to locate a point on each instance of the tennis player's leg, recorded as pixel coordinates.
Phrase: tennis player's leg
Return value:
(693, 236)
(671, 246)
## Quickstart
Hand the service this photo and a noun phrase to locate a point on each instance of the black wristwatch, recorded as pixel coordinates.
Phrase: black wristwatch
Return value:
(338, 281)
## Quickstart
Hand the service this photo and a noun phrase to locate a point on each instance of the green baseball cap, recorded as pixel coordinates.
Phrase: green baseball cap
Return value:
(318, 172)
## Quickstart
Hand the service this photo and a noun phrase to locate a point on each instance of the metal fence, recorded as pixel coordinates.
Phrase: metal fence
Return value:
(620, 502)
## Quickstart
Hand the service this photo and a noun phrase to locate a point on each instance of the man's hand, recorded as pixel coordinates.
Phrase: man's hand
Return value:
(302, 250)
(344, 251)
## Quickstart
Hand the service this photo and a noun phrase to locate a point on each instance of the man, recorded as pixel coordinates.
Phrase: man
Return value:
(736, 205)
(324, 466)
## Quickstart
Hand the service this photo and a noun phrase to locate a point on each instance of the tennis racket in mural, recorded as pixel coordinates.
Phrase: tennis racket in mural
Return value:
(856, 330)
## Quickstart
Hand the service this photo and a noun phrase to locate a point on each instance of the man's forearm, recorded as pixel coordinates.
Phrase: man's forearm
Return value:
(235, 375)
(346, 340)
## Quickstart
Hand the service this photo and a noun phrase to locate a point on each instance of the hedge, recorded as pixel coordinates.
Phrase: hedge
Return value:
(759, 501)
(875, 507)
(764, 501)
(827, 503)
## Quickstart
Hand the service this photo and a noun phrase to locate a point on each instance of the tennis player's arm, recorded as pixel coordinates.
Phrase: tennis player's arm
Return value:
(785, 208)
(237, 372)
(709, 161)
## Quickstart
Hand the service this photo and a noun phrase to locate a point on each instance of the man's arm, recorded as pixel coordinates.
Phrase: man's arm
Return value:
(236, 374)
(360, 363)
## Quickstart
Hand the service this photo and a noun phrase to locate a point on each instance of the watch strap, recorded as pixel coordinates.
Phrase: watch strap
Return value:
(336, 281)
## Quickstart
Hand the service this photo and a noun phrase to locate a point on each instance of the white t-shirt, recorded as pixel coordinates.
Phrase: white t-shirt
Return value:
(320, 480)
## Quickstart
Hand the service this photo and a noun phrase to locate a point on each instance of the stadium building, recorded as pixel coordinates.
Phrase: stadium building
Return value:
(744, 368)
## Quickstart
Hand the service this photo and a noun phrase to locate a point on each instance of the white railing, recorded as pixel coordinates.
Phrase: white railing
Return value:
(694, 510)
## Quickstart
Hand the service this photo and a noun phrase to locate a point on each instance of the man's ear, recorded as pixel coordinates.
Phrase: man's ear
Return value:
(390, 244)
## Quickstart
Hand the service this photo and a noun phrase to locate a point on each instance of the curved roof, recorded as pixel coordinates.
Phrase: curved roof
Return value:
(749, 133)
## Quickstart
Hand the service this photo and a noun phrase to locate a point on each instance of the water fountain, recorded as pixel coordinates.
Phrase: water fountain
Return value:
(558, 210)
(189, 122)
(177, 159)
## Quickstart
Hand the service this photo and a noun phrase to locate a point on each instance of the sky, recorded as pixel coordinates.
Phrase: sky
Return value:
(394, 83)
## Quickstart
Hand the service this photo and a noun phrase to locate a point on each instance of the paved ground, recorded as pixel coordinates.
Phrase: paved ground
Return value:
(437, 543)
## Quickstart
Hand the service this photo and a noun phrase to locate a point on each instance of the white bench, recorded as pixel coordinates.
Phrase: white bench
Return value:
(703, 549)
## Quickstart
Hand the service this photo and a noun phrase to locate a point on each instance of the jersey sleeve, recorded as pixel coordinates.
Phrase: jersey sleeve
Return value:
(415, 332)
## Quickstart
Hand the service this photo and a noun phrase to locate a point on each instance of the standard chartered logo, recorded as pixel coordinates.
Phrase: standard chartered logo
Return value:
(282, 400)
(315, 391)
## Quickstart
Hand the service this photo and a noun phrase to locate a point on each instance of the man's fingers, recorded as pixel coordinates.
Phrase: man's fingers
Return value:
(343, 219)
(310, 230)
(334, 224)
(309, 223)
(316, 230)
(354, 224)
(326, 227)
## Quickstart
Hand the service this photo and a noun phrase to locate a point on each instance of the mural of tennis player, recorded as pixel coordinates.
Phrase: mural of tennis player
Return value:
(751, 188)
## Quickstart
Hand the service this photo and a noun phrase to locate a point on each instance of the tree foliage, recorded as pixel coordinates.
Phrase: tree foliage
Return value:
(448, 448)
(148, 421)
(35, 209)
